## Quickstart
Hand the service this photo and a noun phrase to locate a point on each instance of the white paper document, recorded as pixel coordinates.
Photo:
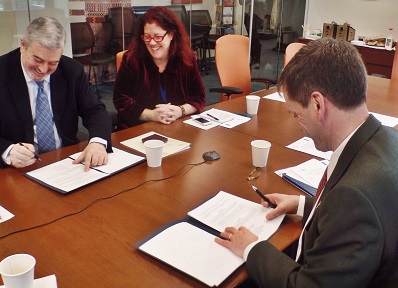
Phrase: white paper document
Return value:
(64, 176)
(45, 282)
(5, 214)
(218, 117)
(194, 251)
(225, 209)
(306, 145)
(275, 96)
(170, 147)
(307, 173)
(386, 120)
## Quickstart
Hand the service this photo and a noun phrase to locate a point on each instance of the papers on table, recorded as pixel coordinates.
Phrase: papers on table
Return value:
(306, 145)
(45, 282)
(170, 147)
(218, 118)
(305, 176)
(5, 214)
(275, 96)
(191, 249)
(386, 120)
(64, 176)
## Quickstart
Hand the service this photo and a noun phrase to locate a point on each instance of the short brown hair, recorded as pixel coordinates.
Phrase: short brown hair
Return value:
(332, 67)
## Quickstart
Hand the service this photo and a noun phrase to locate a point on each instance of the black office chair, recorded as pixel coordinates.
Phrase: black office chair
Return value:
(201, 23)
(83, 42)
(115, 16)
(197, 39)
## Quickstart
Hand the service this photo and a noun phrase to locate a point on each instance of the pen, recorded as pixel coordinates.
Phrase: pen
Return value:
(36, 157)
(272, 205)
(215, 118)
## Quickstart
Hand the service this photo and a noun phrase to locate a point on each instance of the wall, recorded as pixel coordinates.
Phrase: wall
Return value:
(368, 17)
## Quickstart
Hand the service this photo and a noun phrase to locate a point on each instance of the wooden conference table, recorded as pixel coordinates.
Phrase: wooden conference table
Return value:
(95, 248)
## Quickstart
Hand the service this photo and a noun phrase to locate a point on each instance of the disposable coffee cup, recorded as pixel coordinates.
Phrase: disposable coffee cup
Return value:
(154, 150)
(260, 151)
(252, 102)
(17, 271)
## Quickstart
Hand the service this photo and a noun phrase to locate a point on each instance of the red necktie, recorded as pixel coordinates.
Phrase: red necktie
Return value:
(321, 185)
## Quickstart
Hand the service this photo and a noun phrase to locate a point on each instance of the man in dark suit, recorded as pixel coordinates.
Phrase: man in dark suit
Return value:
(350, 235)
(65, 88)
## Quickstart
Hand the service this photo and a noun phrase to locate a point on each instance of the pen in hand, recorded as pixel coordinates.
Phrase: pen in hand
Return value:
(35, 156)
(272, 205)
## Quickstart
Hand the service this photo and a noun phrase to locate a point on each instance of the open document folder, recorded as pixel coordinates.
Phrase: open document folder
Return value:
(189, 246)
(305, 176)
(64, 176)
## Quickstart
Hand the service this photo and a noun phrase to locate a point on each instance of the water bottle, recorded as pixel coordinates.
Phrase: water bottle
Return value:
(388, 43)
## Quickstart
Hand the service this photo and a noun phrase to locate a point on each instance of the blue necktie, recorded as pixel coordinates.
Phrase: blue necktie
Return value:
(44, 122)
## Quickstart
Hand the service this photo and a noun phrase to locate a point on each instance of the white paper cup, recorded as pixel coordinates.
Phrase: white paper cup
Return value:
(252, 102)
(260, 151)
(17, 271)
(154, 150)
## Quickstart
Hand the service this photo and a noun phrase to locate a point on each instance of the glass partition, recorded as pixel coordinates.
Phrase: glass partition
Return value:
(273, 23)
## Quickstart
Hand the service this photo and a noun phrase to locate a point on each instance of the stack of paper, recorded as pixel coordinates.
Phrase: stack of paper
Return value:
(189, 247)
(305, 176)
(218, 118)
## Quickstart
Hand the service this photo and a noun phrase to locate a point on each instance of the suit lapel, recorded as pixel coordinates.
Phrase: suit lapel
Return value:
(20, 95)
(58, 95)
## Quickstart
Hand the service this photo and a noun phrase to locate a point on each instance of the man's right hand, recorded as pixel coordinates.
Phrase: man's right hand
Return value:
(22, 155)
(285, 204)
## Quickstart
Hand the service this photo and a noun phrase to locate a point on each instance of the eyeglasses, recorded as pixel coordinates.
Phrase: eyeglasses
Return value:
(157, 38)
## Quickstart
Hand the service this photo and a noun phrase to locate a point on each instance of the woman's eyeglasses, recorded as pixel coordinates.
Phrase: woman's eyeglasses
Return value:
(157, 38)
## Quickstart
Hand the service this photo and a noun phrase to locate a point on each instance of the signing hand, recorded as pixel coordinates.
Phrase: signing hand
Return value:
(285, 204)
(93, 155)
(22, 155)
(236, 239)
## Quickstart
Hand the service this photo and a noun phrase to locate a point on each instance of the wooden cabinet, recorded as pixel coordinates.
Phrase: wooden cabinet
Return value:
(377, 61)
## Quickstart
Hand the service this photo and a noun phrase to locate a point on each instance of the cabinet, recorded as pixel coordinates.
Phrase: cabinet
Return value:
(377, 61)
(225, 17)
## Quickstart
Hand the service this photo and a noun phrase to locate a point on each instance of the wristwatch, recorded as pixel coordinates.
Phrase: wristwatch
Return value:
(8, 159)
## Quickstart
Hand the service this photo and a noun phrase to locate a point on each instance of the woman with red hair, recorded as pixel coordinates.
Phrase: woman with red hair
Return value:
(158, 79)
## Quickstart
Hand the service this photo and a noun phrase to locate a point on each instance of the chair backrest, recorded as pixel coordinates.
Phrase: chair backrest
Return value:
(231, 55)
(119, 57)
(394, 72)
(181, 12)
(291, 50)
(82, 36)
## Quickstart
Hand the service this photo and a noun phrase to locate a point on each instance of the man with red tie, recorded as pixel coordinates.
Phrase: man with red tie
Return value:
(350, 237)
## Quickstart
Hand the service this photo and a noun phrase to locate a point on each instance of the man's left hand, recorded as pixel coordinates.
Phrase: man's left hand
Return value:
(93, 155)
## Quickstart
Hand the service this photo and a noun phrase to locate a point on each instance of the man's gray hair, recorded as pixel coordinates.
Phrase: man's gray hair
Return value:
(47, 31)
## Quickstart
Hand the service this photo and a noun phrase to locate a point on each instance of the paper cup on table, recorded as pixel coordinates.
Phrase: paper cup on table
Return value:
(18, 271)
(260, 151)
(154, 150)
(252, 102)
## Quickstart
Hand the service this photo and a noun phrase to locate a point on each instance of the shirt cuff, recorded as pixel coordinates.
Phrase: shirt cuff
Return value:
(248, 248)
(99, 140)
(5, 153)
(300, 208)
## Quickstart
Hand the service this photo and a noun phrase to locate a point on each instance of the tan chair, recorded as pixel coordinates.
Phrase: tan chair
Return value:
(291, 50)
(232, 62)
(394, 72)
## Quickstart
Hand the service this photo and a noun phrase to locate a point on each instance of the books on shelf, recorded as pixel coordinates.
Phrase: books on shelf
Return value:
(64, 176)
(189, 246)
(170, 147)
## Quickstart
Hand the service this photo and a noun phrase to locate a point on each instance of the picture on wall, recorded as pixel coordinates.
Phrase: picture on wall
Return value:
(185, 1)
